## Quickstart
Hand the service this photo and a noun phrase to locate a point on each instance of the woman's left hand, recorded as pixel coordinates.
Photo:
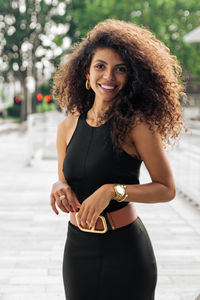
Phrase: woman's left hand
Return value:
(92, 207)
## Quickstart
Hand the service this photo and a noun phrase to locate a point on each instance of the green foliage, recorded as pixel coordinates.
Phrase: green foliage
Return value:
(44, 106)
(45, 88)
(169, 20)
(14, 119)
(27, 33)
(24, 30)
(3, 95)
(14, 111)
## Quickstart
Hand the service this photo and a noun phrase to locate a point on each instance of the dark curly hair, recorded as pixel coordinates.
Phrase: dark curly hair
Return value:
(151, 93)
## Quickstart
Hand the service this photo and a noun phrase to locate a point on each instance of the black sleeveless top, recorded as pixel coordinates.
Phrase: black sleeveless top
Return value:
(90, 162)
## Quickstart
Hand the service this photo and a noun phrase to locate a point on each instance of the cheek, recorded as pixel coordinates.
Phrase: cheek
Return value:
(125, 80)
(94, 79)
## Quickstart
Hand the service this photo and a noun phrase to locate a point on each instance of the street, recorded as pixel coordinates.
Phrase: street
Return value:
(33, 236)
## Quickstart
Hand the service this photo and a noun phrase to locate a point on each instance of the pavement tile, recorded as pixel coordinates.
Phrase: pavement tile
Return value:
(41, 280)
(33, 237)
(34, 296)
(21, 288)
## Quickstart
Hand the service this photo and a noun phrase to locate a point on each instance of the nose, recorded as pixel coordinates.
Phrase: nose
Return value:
(108, 74)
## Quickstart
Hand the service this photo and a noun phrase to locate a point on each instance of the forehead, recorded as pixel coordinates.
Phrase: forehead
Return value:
(107, 54)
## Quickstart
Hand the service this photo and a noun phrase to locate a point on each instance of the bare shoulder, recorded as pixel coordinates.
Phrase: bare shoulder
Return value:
(146, 140)
(68, 122)
(142, 132)
(66, 128)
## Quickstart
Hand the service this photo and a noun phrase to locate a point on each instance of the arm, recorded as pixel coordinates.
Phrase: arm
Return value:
(70, 203)
(61, 145)
(162, 188)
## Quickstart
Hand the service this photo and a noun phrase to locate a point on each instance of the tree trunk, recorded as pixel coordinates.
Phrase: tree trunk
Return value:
(23, 112)
(34, 101)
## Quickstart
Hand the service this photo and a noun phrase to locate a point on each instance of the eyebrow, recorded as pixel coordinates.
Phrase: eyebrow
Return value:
(100, 60)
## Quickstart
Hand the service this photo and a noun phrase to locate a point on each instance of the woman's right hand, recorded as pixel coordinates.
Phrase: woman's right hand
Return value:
(69, 203)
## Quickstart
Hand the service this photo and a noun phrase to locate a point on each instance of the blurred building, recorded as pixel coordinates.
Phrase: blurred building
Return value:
(193, 36)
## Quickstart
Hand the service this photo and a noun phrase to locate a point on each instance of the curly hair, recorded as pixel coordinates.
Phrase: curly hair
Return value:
(151, 93)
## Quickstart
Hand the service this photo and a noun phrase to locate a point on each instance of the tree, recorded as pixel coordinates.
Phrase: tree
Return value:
(28, 48)
(169, 20)
(34, 34)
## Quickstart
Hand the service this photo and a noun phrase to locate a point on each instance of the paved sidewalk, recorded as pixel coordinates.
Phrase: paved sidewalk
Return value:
(33, 237)
(7, 125)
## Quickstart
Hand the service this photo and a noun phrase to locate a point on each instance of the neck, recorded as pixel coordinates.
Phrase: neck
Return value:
(99, 108)
(96, 113)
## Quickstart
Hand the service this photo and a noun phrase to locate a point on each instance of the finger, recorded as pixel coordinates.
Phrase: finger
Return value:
(66, 205)
(70, 197)
(78, 204)
(84, 218)
(79, 216)
(53, 206)
(59, 202)
(64, 201)
(91, 220)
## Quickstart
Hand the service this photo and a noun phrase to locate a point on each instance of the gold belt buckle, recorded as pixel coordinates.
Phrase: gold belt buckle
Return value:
(93, 230)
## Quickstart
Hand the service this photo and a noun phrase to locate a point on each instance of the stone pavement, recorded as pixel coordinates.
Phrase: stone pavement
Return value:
(7, 125)
(33, 237)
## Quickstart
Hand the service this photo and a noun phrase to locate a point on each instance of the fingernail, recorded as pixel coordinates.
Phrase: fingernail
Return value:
(67, 211)
(72, 210)
(57, 212)
(90, 228)
(76, 209)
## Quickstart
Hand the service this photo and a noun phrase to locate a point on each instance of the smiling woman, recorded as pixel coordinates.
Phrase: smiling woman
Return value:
(121, 87)
(107, 76)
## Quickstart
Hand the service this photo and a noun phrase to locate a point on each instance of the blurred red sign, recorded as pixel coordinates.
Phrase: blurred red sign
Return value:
(47, 98)
(39, 97)
(17, 100)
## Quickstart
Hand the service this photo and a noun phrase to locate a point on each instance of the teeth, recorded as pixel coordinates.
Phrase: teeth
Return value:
(107, 87)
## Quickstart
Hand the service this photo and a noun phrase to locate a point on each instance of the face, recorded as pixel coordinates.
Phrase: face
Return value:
(107, 74)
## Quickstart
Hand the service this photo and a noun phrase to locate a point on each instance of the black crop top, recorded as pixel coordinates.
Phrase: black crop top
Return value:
(90, 162)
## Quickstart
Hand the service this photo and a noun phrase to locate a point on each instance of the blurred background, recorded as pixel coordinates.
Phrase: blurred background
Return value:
(35, 37)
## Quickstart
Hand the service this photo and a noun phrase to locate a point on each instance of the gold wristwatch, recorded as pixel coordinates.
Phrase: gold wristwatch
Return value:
(119, 191)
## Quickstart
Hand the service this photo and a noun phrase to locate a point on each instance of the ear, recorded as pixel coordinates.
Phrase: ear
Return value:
(88, 76)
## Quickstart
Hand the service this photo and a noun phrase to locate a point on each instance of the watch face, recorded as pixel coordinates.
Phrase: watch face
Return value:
(120, 189)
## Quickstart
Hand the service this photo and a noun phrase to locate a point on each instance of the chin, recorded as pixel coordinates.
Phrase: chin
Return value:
(108, 99)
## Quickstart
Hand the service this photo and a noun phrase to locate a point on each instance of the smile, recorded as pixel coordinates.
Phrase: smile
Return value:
(107, 88)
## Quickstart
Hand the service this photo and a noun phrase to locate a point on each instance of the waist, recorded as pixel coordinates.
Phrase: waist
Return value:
(110, 220)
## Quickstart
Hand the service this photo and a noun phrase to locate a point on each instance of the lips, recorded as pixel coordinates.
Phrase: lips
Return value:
(108, 87)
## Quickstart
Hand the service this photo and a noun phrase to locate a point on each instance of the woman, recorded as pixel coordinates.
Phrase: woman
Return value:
(121, 86)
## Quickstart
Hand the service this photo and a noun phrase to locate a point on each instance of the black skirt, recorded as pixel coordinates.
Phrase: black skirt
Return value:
(117, 265)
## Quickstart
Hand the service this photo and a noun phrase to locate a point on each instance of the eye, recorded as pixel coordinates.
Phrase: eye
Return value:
(99, 66)
(121, 69)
